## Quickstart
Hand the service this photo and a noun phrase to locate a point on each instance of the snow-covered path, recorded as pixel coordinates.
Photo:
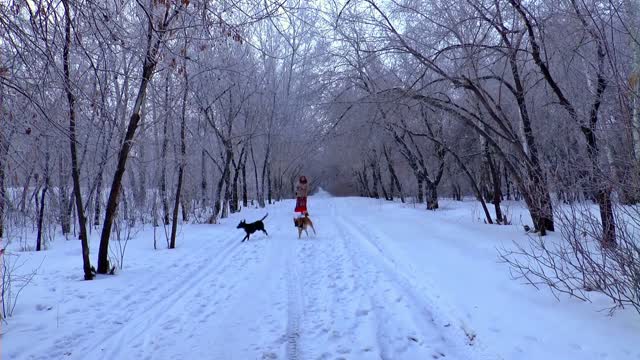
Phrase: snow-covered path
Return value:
(360, 289)
(357, 304)
(323, 297)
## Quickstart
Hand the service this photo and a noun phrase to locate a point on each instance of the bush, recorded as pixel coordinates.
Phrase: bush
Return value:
(579, 264)
(12, 282)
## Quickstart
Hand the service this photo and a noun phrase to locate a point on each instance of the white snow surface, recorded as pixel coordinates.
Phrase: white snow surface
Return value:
(380, 280)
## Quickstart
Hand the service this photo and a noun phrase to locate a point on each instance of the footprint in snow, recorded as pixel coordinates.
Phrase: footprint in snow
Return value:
(575, 346)
(42, 307)
(269, 356)
(531, 338)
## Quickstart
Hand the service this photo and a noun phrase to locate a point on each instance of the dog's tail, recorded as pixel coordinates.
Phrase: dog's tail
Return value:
(264, 217)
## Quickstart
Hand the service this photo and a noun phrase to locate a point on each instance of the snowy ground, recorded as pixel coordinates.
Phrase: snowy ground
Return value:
(379, 281)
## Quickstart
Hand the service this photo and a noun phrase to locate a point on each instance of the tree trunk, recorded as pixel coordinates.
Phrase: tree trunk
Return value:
(163, 158)
(43, 200)
(365, 181)
(378, 174)
(601, 192)
(456, 192)
(539, 209)
(603, 198)
(474, 185)
(183, 158)
(507, 184)
(539, 202)
(227, 185)
(416, 161)
(3, 192)
(25, 190)
(227, 194)
(245, 200)
(259, 196)
(496, 192)
(75, 170)
(123, 154)
(185, 204)
(176, 208)
(141, 190)
(393, 176)
(364, 191)
(235, 205)
(270, 194)
(70, 208)
(280, 188)
(235, 200)
(485, 174)
(392, 192)
(4, 150)
(41, 216)
(634, 10)
(125, 204)
(203, 184)
(154, 215)
(375, 179)
(382, 187)
(130, 215)
(432, 195)
(265, 165)
(536, 175)
(218, 205)
(63, 195)
(36, 192)
(98, 201)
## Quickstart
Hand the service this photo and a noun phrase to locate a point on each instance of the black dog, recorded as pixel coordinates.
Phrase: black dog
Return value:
(252, 227)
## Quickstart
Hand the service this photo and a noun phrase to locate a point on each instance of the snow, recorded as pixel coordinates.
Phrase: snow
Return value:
(380, 280)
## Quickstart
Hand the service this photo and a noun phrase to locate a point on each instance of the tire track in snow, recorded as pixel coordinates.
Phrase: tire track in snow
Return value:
(294, 304)
(442, 313)
(114, 343)
(359, 307)
(376, 268)
(368, 279)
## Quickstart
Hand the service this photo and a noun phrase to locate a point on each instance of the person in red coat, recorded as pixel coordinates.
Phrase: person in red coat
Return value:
(301, 195)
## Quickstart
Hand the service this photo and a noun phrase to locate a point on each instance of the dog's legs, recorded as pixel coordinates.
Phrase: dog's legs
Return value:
(246, 237)
(265, 231)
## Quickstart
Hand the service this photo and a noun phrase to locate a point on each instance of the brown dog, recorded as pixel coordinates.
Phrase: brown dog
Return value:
(302, 224)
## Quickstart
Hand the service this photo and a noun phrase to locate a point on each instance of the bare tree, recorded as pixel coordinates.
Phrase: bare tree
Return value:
(394, 182)
(183, 149)
(159, 19)
(75, 170)
(5, 136)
